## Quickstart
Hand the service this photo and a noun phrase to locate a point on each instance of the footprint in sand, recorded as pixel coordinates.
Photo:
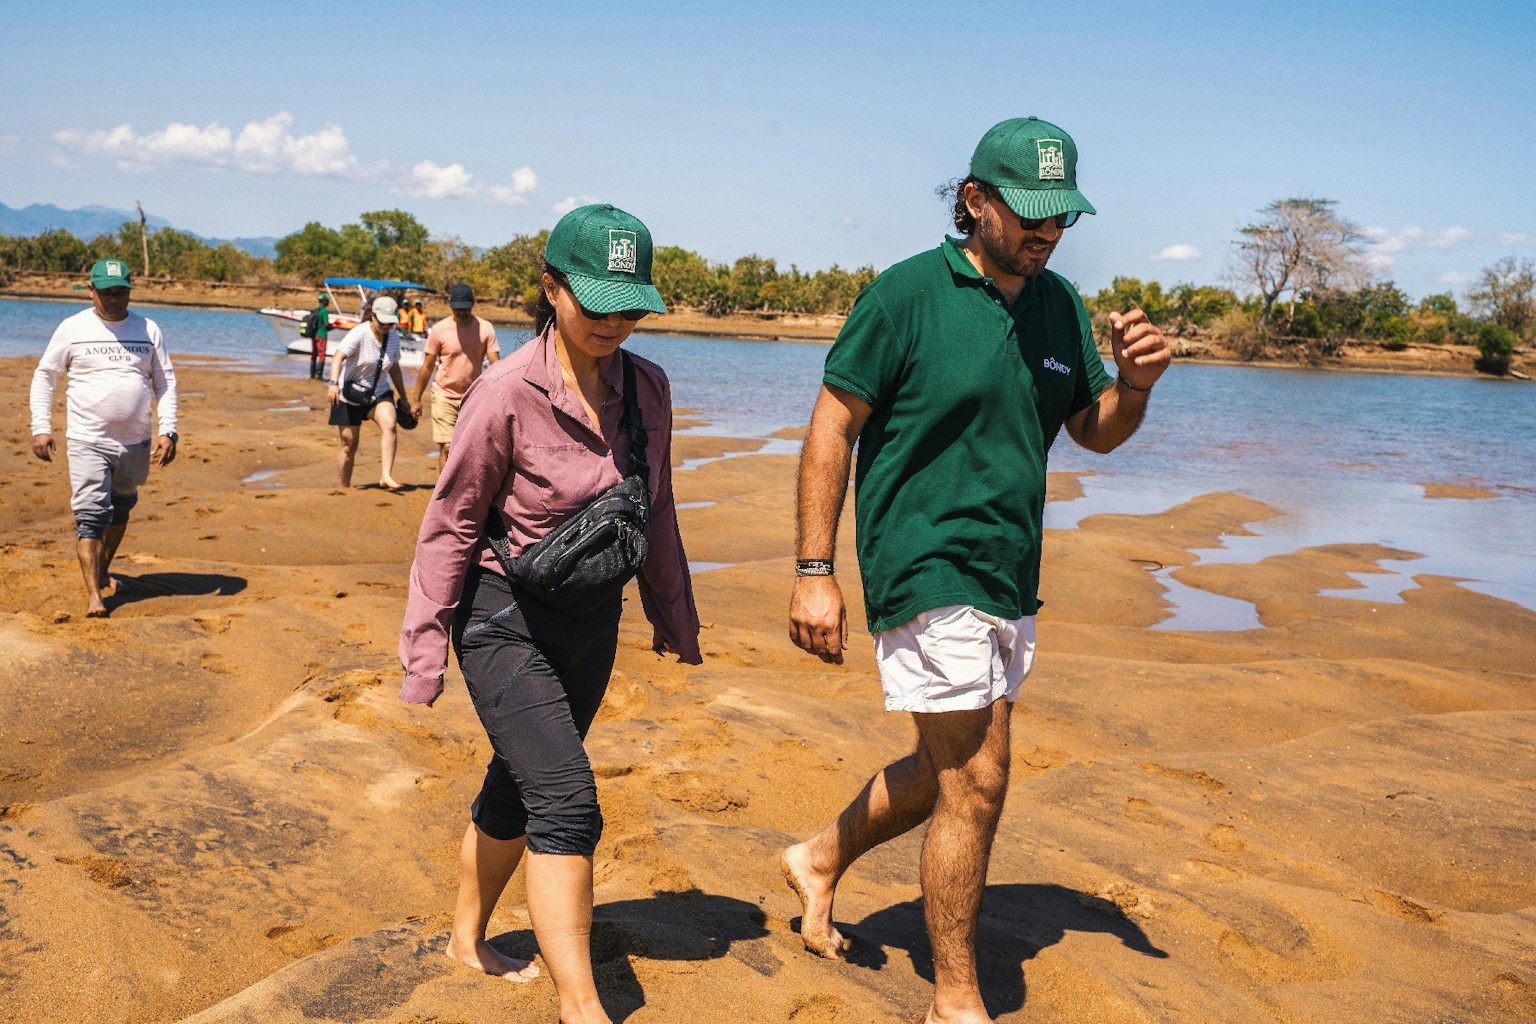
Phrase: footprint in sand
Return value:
(1226, 839)
(693, 792)
(1400, 906)
(821, 1009)
(1212, 870)
(1204, 780)
(1143, 811)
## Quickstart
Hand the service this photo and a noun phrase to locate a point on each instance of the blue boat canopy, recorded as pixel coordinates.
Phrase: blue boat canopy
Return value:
(378, 286)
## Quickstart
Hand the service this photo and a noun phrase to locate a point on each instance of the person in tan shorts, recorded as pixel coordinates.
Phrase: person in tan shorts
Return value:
(457, 349)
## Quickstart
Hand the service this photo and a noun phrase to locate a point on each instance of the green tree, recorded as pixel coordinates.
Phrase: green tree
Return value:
(1505, 294)
(1193, 308)
(512, 271)
(400, 244)
(1495, 346)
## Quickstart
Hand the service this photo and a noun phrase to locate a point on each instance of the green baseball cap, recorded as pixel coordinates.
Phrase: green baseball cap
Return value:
(1033, 164)
(605, 253)
(111, 273)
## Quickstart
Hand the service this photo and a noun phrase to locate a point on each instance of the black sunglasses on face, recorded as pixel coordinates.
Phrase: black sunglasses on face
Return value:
(1061, 220)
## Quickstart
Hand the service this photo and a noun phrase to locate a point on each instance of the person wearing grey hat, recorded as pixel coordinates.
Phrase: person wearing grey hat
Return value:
(369, 354)
(954, 373)
(119, 373)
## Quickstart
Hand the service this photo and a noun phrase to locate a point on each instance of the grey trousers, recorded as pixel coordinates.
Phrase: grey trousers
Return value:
(106, 479)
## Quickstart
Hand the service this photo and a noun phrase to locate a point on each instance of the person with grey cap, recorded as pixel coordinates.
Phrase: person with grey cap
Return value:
(954, 373)
(369, 354)
(119, 372)
(542, 434)
(458, 348)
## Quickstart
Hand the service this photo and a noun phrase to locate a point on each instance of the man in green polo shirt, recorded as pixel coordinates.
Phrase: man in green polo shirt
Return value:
(954, 373)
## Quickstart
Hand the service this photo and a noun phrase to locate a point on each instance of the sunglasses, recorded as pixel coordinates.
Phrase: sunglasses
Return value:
(628, 314)
(1061, 220)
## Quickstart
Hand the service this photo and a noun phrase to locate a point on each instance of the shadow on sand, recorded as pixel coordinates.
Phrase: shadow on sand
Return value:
(1017, 921)
(689, 925)
(132, 589)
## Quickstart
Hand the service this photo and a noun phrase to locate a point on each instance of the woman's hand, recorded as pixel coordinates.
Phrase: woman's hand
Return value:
(333, 392)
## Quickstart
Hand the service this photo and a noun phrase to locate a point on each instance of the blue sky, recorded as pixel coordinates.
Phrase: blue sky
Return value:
(813, 133)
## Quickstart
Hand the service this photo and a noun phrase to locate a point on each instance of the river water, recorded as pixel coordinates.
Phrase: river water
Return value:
(1344, 455)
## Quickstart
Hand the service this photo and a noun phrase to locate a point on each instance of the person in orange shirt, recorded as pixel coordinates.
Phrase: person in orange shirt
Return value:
(418, 319)
(457, 347)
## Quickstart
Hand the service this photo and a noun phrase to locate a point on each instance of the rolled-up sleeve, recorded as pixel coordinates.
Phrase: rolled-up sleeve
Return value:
(666, 586)
(472, 479)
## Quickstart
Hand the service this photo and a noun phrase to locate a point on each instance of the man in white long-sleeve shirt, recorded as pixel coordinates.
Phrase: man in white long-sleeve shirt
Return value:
(117, 368)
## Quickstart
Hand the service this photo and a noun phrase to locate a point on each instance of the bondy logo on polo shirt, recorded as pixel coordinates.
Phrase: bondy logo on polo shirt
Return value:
(1051, 364)
(1053, 160)
(623, 249)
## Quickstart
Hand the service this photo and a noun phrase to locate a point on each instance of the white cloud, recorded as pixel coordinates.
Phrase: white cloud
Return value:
(1513, 239)
(262, 146)
(9, 141)
(1416, 239)
(524, 184)
(269, 146)
(1453, 277)
(430, 180)
(847, 223)
(1379, 264)
(570, 203)
(1180, 253)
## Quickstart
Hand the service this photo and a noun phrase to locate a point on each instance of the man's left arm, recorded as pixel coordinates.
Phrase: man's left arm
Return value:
(1141, 355)
(163, 376)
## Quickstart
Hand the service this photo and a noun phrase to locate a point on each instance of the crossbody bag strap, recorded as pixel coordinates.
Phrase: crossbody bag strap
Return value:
(632, 419)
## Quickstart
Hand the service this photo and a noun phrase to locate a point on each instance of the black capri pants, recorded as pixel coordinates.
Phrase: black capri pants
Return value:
(537, 677)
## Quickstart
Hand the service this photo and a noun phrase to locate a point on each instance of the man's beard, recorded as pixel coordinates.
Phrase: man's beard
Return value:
(1007, 260)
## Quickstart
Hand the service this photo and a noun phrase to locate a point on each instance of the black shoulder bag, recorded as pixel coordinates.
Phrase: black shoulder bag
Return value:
(587, 560)
(354, 391)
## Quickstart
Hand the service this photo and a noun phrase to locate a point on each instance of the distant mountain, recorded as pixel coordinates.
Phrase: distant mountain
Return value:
(90, 221)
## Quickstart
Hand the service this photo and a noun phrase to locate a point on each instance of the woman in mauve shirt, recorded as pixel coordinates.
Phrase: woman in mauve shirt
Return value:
(538, 438)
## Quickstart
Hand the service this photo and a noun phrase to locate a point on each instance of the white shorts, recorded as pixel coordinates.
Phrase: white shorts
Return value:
(954, 658)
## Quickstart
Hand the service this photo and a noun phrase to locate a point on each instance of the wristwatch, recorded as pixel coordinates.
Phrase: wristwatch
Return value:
(175, 437)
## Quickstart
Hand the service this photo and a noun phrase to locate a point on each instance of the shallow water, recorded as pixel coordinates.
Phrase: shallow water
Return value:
(1344, 455)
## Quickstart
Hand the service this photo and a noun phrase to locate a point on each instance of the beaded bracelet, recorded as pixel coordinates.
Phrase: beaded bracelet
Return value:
(813, 567)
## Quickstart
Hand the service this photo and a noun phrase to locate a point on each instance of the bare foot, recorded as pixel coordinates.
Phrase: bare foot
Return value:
(966, 1016)
(815, 891)
(390, 484)
(485, 957)
(95, 609)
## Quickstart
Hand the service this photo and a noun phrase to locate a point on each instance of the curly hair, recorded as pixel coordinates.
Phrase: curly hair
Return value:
(953, 192)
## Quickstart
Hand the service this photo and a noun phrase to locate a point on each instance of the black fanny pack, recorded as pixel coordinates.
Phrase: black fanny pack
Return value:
(587, 560)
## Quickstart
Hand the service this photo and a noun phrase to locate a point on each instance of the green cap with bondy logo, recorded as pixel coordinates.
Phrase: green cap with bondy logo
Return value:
(111, 273)
(1033, 164)
(605, 253)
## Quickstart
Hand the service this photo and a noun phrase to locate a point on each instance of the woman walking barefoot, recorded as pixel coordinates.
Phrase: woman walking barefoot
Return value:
(370, 351)
(541, 437)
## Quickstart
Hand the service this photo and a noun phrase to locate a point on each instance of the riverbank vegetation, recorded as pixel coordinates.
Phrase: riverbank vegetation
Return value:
(1299, 284)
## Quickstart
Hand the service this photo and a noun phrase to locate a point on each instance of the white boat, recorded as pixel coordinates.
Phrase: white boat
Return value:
(287, 321)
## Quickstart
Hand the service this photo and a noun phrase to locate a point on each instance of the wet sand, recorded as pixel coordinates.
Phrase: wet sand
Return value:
(213, 808)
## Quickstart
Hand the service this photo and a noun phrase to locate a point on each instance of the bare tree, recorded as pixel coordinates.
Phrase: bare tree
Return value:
(143, 235)
(1299, 245)
(1505, 294)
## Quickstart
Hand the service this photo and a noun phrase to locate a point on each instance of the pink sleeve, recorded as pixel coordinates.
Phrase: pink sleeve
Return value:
(472, 482)
(666, 586)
